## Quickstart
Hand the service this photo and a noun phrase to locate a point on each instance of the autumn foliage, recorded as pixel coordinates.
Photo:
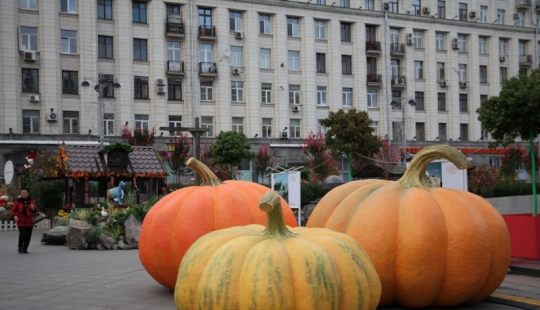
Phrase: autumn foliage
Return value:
(140, 136)
(482, 176)
(321, 162)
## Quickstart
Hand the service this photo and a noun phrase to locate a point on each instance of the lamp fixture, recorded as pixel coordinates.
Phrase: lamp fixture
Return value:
(171, 145)
(437, 139)
(256, 135)
(127, 123)
(10, 130)
(89, 132)
(284, 128)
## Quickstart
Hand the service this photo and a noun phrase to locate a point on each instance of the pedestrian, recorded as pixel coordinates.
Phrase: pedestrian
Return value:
(22, 212)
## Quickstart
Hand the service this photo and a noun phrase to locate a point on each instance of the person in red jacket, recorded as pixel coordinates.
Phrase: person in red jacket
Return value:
(22, 211)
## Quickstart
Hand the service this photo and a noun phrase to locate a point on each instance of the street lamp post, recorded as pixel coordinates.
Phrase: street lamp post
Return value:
(397, 105)
(101, 83)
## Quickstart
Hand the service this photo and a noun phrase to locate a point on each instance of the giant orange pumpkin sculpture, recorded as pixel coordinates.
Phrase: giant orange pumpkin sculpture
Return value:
(180, 218)
(430, 246)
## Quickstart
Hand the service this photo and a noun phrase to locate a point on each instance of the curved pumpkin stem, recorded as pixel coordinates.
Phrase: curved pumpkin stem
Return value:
(415, 175)
(207, 176)
(275, 224)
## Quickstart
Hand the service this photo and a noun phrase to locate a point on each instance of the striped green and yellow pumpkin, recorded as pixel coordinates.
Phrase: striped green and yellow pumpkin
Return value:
(253, 267)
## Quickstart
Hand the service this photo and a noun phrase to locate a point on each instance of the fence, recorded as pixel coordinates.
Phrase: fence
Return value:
(11, 225)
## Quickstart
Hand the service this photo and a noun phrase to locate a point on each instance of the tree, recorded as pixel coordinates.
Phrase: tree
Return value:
(482, 176)
(350, 133)
(222, 172)
(387, 157)
(512, 161)
(263, 161)
(177, 159)
(142, 137)
(319, 158)
(231, 148)
(515, 112)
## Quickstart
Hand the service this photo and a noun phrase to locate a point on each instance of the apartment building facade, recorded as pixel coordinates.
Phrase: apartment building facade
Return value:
(270, 69)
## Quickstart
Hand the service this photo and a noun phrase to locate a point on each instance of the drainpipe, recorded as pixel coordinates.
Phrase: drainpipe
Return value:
(192, 60)
(388, 79)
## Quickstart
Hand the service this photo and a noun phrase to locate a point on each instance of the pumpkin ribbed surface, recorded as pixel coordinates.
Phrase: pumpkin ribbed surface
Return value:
(430, 246)
(176, 221)
(245, 268)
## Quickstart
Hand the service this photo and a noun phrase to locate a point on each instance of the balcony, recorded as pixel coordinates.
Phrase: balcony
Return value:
(175, 67)
(208, 69)
(175, 27)
(373, 47)
(397, 49)
(207, 33)
(523, 4)
(525, 60)
(374, 80)
(537, 6)
(399, 81)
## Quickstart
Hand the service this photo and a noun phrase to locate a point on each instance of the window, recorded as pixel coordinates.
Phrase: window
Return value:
(395, 69)
(319, 29)
(396, 96)
(206, 91)
(420, 131)
(206, 57)
(320, 128)
(175, 121)
(503, 72)
(237, 56)
(30, 121)
(294, 60)
(441, 9)
(69, 41)
(323, 2)
(108, 89)
(394, 8)
(520, 22)
(439, 41)
(462, 72)
(108, 124)
(372, 97)
(416, 7)
(266, 58)
(294, 94)
(483, 14)
(173, 52)
(345, 32)
(174, 89)
(264, 23)
(483, 74)
(321, 95)
(267, 128)
(235, 21)
(294, 128)
(462, 43)
(141, 122)
(346, 64)
(71, 122)
(374, 125)
(141, 87)
(369, 5)
(104, 8)
(396, 131)
(140, 49)
(320, 59)
(464, 132)
(418, 70)
(344, 3)
(419, 98)
(500, 17)
(237, 91)
(205, 18)
(29, 39)
(371, 34)
(105, 47)
(522, 47)
(371, 66)
(139, 12)
(463, 105)
(440, 71)
(68, 6)
(502, 47)
(266, 93)
(30, 80)
(346, 94)
(441, 101)
(70, 84)
(28, 4)
(292, 27)
(495, 162)
(442, 131)
(173, 9)
(417, 39)
(462, 11)
(482, 41)
(238, 124)
(208, 122)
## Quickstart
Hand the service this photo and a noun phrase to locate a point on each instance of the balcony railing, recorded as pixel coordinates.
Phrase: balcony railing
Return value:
(175, 67)
(523, 4)
(399, 81)
(207, 32)
(207, 68)
(525, 59)
(397, 48)
(373, 47)
(374, 79)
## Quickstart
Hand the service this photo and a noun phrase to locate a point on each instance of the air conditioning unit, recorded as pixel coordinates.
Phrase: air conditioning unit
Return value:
(425, 10)
(161, 89)
(502, 58)
(51, 117)
(410, 39)
(386, 6)
(296, 108)
(34, 98)
(239, 35)
(516, 15)
(160, 82)
(235, 71)
(472, 14)
(284, 135)
(463, 84)
(443, 83)
(30, 56)
(455, 44)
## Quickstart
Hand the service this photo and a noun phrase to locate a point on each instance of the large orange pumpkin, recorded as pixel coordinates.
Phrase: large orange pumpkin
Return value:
(253, 267)
(180, 218)
(430, 246)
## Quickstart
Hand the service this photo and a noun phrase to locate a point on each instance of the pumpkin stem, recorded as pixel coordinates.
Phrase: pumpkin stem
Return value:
(207, 176)
(275, 224)
(415, 175)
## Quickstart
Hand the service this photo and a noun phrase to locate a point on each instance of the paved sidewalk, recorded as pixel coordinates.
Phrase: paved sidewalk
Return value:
(55, 277)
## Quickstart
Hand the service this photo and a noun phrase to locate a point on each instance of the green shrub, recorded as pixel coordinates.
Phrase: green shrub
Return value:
(507, 189)
(310, 192)
(81, 214)
(48, 194)
(94, 217)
